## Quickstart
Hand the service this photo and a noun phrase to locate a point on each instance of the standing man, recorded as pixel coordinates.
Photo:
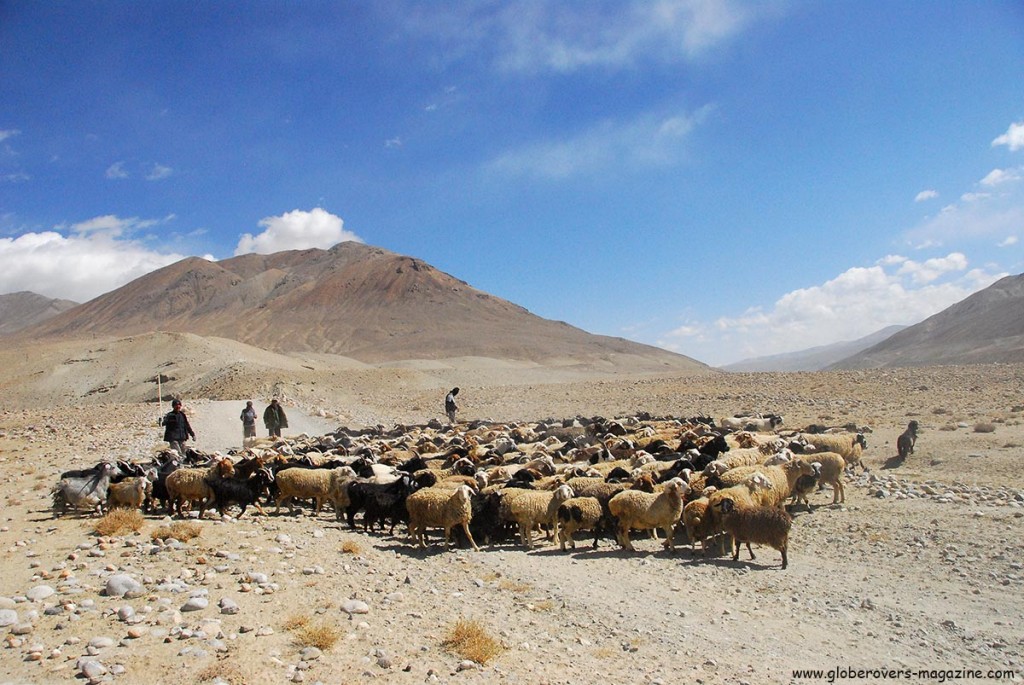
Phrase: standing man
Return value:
(274, 418)
(176, 428)
(449, 404)
(248, 418)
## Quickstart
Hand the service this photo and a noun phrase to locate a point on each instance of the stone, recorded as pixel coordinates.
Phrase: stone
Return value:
(355, 606)
(40, 592)
(91, 668)
(195, 604)
(121, 584)
(8, 617)
(101, 642)
(228, 606)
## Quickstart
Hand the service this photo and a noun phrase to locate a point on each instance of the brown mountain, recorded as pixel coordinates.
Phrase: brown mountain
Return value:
(353, 300)
(986, 327)
(23, 309)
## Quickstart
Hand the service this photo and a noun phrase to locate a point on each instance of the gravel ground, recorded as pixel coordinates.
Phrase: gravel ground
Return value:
(920, 569)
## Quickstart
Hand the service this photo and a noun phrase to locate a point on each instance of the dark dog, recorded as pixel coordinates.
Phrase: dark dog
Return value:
(905, 443)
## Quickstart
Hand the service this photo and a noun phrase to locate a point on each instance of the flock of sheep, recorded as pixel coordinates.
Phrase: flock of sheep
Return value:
(488, 483)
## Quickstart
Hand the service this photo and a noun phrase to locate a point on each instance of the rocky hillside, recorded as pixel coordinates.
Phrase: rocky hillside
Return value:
(354, 300)
(986, 327)
(813, 358)
(23, 309)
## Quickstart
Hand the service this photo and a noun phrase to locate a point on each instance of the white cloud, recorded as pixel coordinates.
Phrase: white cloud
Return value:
(116, 171)
(999, 176)
(858, 302)
(8, 133)
(296, 230)
(1013, 138)
(392, 143)
(926, 195)
(95, 258)
(1008, 241)
(546, 35)
(159, 172)
(648, 141)
(16, 177)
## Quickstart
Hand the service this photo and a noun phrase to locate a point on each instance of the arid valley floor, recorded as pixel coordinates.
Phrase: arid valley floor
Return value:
(921, 569)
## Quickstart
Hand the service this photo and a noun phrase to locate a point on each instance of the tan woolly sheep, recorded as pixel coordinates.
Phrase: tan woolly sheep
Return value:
(636, 510)
(850, 446)
(440, 508)
(190, 485)
(530, 508)
(130, 493)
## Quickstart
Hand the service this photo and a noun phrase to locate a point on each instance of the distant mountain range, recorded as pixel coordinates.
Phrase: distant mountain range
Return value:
(986, 327)
(23, 309)
(814, 358)
(353, 300)
(375, 306)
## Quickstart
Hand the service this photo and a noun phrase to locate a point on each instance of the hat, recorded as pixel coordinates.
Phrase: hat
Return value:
(175, 403)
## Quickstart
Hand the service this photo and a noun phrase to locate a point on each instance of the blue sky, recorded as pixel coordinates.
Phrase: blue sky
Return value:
(722, 179)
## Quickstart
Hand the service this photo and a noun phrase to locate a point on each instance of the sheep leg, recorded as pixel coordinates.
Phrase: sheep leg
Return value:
(748, 549)
(465, 529)
(526, 534)
(669, 543)
(736, 554)
(785, 560)
(624, 539)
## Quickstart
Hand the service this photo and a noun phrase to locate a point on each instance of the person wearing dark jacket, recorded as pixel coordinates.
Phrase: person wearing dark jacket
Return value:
(177, 428)
(248, 417)
(274, 418)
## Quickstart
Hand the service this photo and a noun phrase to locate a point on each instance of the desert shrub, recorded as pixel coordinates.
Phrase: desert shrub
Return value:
(119, 522)
(984, 427)
(470, 640)
(940, 410)
(948, 427)
(321, 635)
(182, 531)
(351, 547)
(222, 671)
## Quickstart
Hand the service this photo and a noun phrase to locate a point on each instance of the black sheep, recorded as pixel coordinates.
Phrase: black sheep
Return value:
(241, 491)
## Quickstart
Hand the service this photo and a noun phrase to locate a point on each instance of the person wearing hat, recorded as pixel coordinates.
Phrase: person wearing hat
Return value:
(274, 418)
(248, 418)
(176, 428)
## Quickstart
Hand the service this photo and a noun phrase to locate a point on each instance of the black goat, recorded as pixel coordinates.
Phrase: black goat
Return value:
(241, 491)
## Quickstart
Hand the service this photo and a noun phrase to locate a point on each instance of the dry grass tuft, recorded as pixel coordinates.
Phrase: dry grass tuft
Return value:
(351, 547)
(182, 531)
(513, 586)
(120, 522)
(296, 621)
(225, 670)
(321, 635)
(984, 428)
(470, 640)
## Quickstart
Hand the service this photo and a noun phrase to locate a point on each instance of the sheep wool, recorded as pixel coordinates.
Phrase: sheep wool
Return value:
(638, 510)
(440, 508)
(761, 525)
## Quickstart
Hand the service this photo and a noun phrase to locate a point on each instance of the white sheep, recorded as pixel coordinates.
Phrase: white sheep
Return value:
(529, 508)
(850, 446)
(440, 508)
(641, 511)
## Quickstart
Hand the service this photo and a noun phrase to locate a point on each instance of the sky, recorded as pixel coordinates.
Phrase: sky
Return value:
(723, 179)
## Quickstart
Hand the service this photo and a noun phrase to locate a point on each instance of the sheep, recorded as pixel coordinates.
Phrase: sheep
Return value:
(782, 479)
(751, 423)
(440, 508)
(850, 446)
(129, 493)
(241, 491)
(697, 520)
(192, 485)
(805, 485)
(532, 507)
(580, 513)
(831, 471)
(905, 442)
(641, 510)
(762, 525)
(88, 491)
(337, 489)
(304, 483)
(381, 501)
